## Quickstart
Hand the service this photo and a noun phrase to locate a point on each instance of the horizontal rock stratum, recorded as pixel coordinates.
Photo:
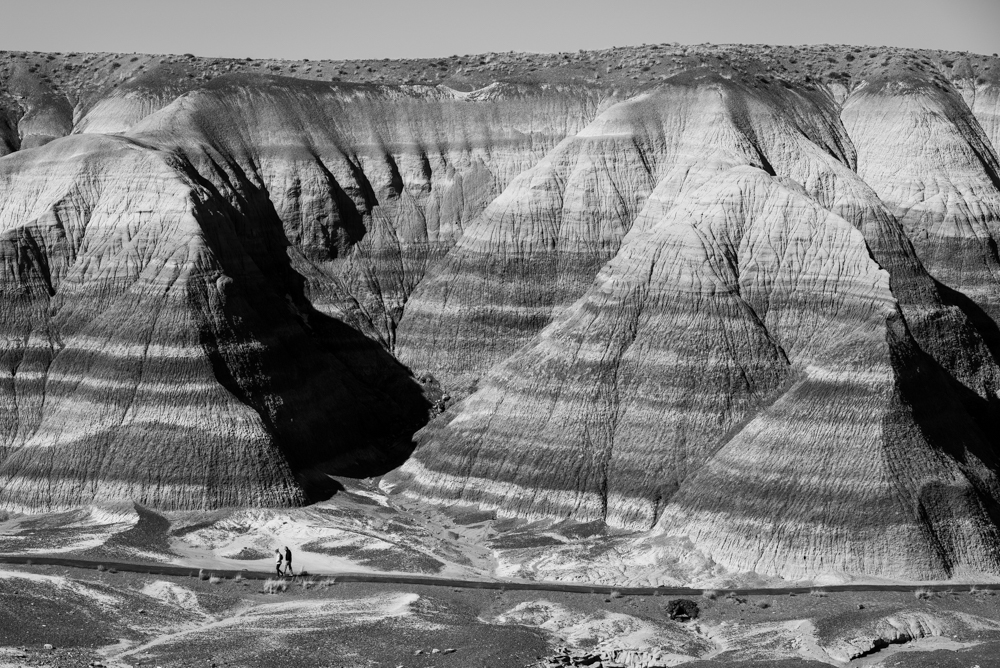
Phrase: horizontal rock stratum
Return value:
(746, 296)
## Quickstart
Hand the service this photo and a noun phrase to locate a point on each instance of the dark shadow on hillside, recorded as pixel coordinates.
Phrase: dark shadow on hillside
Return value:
(347, 407)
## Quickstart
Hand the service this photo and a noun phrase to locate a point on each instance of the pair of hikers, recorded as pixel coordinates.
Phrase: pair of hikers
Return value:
(287, 561)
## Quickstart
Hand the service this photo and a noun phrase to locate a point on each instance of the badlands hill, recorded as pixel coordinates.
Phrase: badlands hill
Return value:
(744, 296)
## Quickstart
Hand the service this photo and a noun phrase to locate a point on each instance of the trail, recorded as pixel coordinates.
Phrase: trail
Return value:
(511, 585)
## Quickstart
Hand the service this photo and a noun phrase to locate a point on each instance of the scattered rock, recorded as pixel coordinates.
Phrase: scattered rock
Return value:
(682, 609)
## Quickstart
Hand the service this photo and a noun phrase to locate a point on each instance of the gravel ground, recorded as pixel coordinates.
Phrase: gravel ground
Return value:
(133, 619)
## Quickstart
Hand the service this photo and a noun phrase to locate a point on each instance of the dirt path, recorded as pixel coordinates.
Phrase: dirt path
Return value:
(521, 585)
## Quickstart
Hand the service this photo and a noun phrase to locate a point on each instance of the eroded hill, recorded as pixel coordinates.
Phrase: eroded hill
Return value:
(743, 296)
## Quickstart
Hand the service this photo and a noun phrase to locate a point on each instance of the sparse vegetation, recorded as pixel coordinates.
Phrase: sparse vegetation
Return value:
(819, 593)
(273, 586)
(922, 594)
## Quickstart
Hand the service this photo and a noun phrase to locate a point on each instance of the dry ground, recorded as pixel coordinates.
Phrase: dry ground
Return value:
(132, 619)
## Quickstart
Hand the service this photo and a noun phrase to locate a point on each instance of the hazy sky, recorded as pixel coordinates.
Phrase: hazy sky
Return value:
(431, 28)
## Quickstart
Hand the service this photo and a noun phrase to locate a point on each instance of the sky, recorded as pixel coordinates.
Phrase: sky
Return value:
(334, 29)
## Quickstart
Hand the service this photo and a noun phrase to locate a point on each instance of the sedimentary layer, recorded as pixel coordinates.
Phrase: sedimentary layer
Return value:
(738, 296)
(823, 447)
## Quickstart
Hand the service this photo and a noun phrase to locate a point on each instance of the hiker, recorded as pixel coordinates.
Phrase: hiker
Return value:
(277, 563)
(288, 562)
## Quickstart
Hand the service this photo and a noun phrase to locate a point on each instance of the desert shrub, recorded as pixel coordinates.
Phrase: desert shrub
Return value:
(100, 567)
(273, 586)
(215, 579)
(615, 594)
(922, 594)
(819, 593)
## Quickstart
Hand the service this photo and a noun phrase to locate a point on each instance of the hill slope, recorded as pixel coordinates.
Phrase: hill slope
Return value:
(746, 296)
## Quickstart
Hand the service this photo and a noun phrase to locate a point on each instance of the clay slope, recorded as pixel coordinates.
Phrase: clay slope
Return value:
(157, 349)
(738, 296)
(221, 283)
(764, 367)
(370, 184)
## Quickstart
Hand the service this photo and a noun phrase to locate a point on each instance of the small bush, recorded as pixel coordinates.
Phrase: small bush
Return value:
(921, 594)
(615, 594)
(215, 579)
(101, 568)
(819, 593)
(273, 586)
(202, 575)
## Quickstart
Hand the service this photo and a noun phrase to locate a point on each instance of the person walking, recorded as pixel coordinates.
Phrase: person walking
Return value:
(288, 562)
(277, 562)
